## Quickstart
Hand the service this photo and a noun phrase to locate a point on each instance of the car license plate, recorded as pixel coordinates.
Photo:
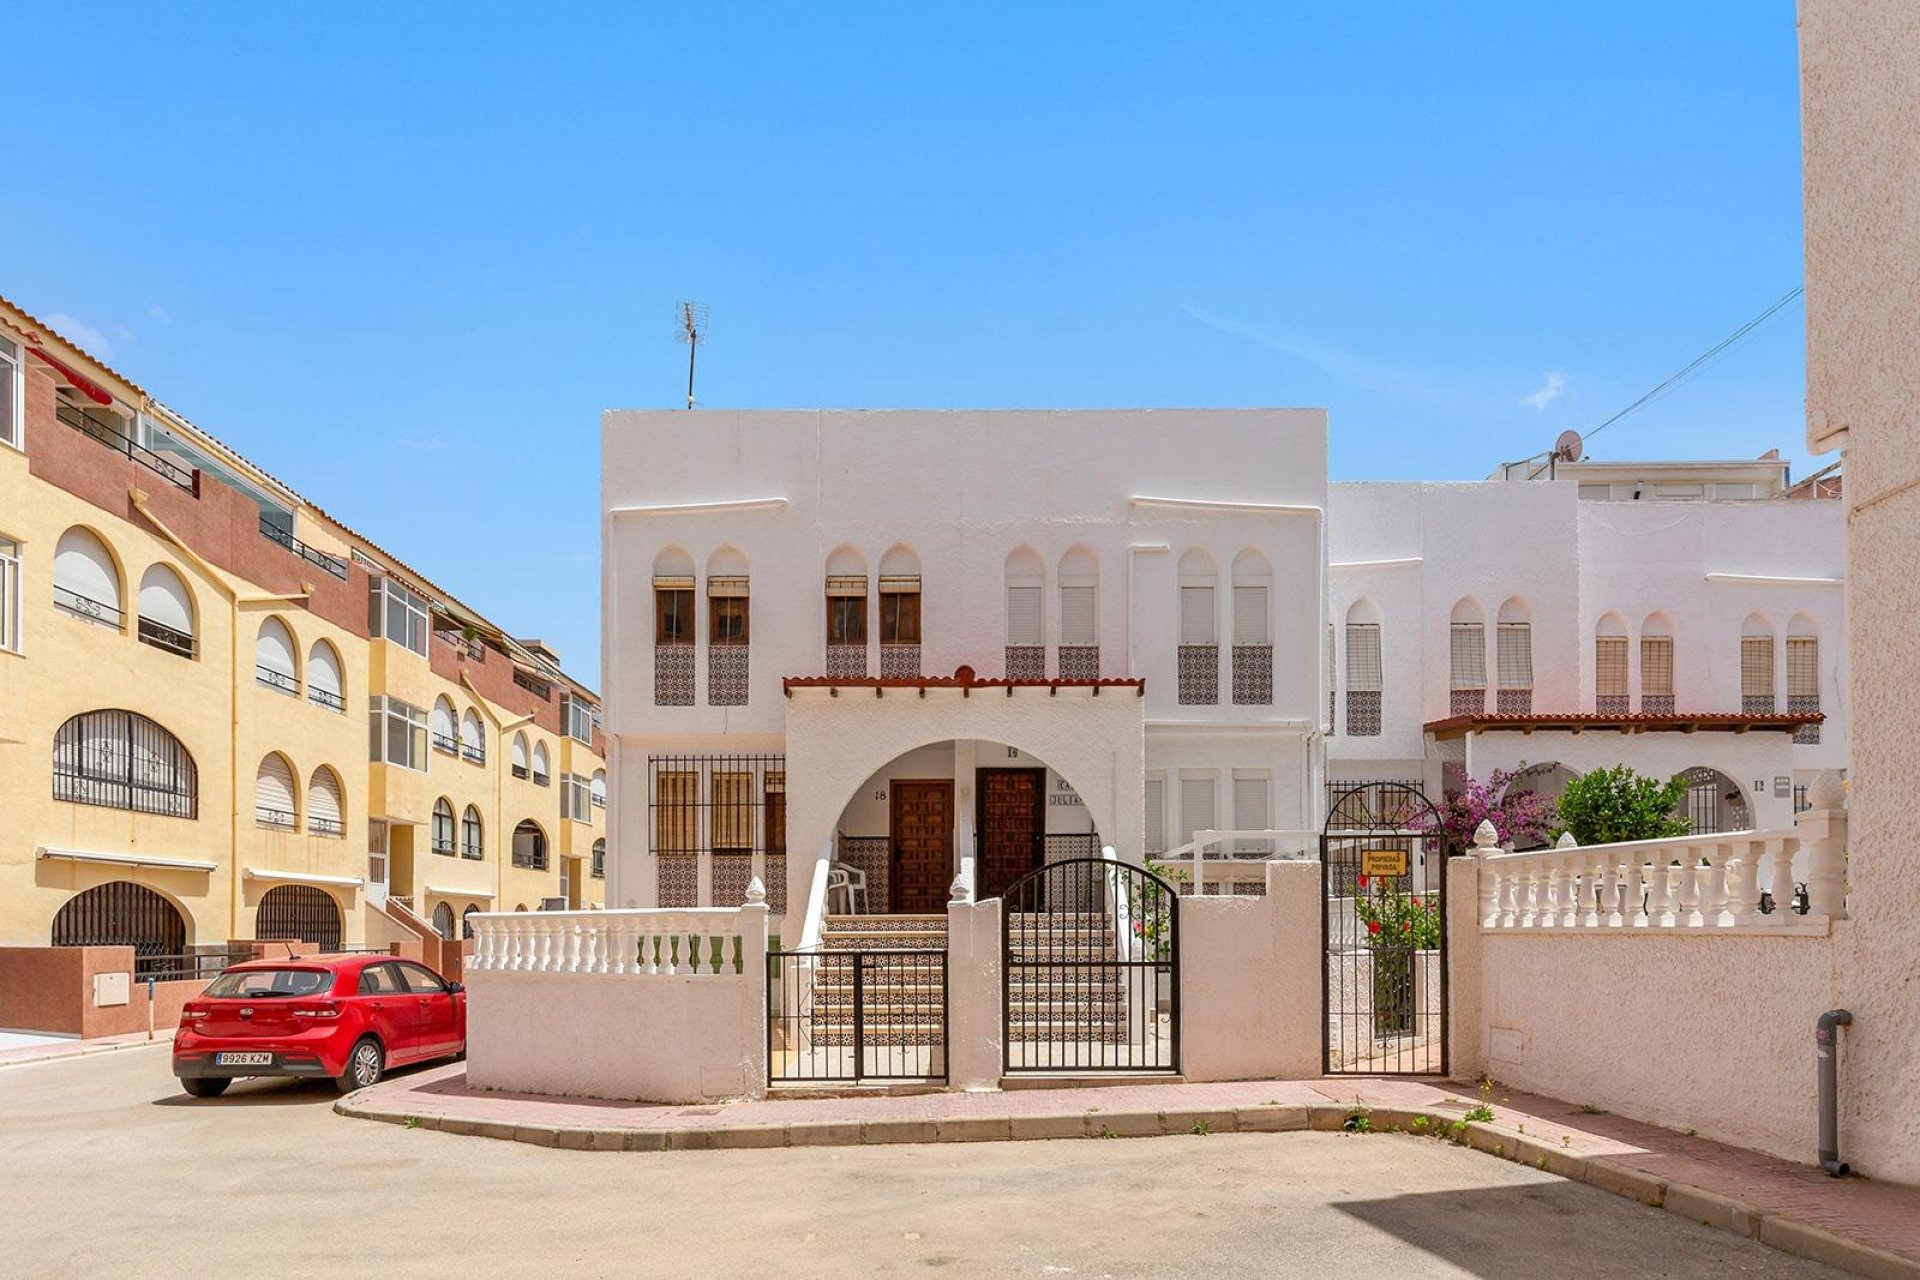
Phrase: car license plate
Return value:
(242, 1059)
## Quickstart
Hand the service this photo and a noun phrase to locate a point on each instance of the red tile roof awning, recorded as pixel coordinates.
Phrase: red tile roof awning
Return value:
(88, 387)
(1580, 722)
(963, 679)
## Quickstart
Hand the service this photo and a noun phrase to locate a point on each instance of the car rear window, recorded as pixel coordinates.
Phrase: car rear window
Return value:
(259, 984)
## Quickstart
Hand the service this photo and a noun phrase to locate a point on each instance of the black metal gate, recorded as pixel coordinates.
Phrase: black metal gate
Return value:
(1090, 970)
(1384, 923)
(298, 912)
(121, 913)
(849, 1016)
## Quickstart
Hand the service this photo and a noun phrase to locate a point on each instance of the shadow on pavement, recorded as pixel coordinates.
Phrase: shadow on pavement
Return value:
(274, 1091)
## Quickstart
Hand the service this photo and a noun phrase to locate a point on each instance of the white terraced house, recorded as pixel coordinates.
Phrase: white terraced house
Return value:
(1678, 617)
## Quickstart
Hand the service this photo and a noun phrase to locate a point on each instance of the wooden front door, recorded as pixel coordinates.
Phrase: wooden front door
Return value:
(921, 825)
(1011, 818)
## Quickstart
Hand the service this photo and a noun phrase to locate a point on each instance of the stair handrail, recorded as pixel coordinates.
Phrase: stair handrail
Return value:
(814, 920)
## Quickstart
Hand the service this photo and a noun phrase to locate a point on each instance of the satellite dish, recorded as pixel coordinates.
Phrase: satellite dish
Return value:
(1569, 447)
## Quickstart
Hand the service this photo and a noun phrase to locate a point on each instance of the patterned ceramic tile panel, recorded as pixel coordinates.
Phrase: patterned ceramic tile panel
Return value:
(1199, 675)
(847, 661)
(899, 661)
(727, 675)
(1467, 702)
(731, 872)
(1080, 662)
(1804, 704)
(1026, 662)
(1514, 702)
(1658, 704)
(1363, 713)
(776, 883)
(1253, 675)
(870, 854)
(1610, 704)
(1061, 847)
(673, 675)
(679, 875)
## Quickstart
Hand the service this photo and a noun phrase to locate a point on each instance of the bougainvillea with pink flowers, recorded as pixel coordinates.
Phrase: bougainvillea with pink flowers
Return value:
(1522, 819)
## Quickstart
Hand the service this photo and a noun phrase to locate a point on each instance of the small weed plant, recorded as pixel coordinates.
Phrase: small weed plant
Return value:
(1482, 1114)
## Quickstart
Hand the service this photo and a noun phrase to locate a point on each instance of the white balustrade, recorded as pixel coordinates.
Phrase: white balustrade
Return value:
(1741, 879)
(703, 943)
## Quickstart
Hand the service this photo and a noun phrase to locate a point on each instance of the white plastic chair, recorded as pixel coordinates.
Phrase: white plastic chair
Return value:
(850, 884)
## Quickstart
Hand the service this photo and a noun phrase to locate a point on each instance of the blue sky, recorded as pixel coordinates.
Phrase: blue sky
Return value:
(402, 255)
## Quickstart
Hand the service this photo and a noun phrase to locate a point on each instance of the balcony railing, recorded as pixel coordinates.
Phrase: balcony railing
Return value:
(443, 844)
(319, 559)
(520, 772)
(279, 819)
(326, 698)
(473, 850)
(540, 779)
(532, 684)
(325, 826)
(87, 607)
(447, 744)
(170, 472)
(279, 681)
(164, 637)
(474, 751)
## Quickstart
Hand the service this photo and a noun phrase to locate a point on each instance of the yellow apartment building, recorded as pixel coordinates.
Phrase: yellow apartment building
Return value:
(226, 717)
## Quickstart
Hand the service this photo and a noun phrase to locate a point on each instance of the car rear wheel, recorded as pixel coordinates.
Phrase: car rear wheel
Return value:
(364, 1066)
(206, 1087)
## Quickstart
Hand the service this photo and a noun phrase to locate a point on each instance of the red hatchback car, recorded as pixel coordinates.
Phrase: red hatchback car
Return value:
(347, 1017)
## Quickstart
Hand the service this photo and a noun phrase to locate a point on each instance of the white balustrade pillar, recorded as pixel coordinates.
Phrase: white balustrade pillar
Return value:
(1486, 843)
(1823, 834)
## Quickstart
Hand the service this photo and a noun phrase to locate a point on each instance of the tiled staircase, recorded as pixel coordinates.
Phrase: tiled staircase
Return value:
(1058, 999)
(904, 995)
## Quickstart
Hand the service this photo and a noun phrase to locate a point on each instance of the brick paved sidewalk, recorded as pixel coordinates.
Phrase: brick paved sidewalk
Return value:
(1872, 1228)
(54, 1050)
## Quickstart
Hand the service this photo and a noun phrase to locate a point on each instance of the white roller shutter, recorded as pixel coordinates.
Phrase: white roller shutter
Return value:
(273, 650)
(539, 759)
(1250, 812)
(323, 797)
(323, 672)
(1196, 807)
(1196, 615)
(273, 791)
(443, 723)
(470, 735)
(1156, 815)
(519, 751)
(163, 599)
(1023, 615)
(1250, 615)
(1078, 623)
(82, 566)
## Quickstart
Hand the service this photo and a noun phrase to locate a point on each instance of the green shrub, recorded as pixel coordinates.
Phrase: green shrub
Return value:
(1609, 805)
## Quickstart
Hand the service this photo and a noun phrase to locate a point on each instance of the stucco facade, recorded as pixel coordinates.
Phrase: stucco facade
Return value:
(1048, 553)
(189, 655)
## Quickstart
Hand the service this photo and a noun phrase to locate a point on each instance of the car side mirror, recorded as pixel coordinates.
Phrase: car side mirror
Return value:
(454, 988)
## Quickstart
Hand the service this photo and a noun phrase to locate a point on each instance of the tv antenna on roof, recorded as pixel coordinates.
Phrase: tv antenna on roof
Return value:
(692, 330)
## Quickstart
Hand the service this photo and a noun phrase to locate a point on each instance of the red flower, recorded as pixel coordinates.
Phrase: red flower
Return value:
(1373, 926)
(1362, 882)
(1407, 927)
(1416, 902)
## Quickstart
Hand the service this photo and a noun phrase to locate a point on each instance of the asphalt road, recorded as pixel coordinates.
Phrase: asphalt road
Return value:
(107, 1169)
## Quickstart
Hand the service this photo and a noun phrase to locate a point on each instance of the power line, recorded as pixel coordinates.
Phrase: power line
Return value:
(1694, 365)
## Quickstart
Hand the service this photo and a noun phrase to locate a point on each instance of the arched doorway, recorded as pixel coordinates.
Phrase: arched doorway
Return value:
(1383, 921)
(298, 912)
(1714, 803)
(122, 914)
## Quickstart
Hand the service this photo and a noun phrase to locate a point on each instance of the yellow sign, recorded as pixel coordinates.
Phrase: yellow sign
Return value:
(1384, 862)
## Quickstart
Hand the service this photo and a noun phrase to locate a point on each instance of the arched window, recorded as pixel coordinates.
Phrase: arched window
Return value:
(298, 912)
(599, 867)
(443, 921)
(530, 846)
(273, 664)
(445, 726)
(673, 628)
(520, 757)
(325, 686)
(1610, 666)
(466, 921)
(597, 788)
(900, 614)
(473, 738)
(123, 914)
(1079, 615)
(541, 776)
(1803, 674)
(473, 843)
(1199, 654)
(443, 827)
(326, 809)
(86, 580)
(1026, 585)
(1366, 674)
(1714, 803)
(1467, 660)
(274, 798)
(1656, 665)
(1252, 630)
(846, 614)
(166, 611)
(1515, 655)
(120, 760)
(727, 628)
(1756, 666)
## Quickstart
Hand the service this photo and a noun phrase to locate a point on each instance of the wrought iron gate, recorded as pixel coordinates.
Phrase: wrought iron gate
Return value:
(1384, 924)
(300, 912)
(847, 1016)
(1090, 969)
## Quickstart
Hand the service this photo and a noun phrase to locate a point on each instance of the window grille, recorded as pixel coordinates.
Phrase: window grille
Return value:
(1515, 663)
(1803, 684)
(1756, 675)
(1156, 815)
(1364, 680)
(1656, 675)
(1610, 675)
(119, 760)
(717, 804)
